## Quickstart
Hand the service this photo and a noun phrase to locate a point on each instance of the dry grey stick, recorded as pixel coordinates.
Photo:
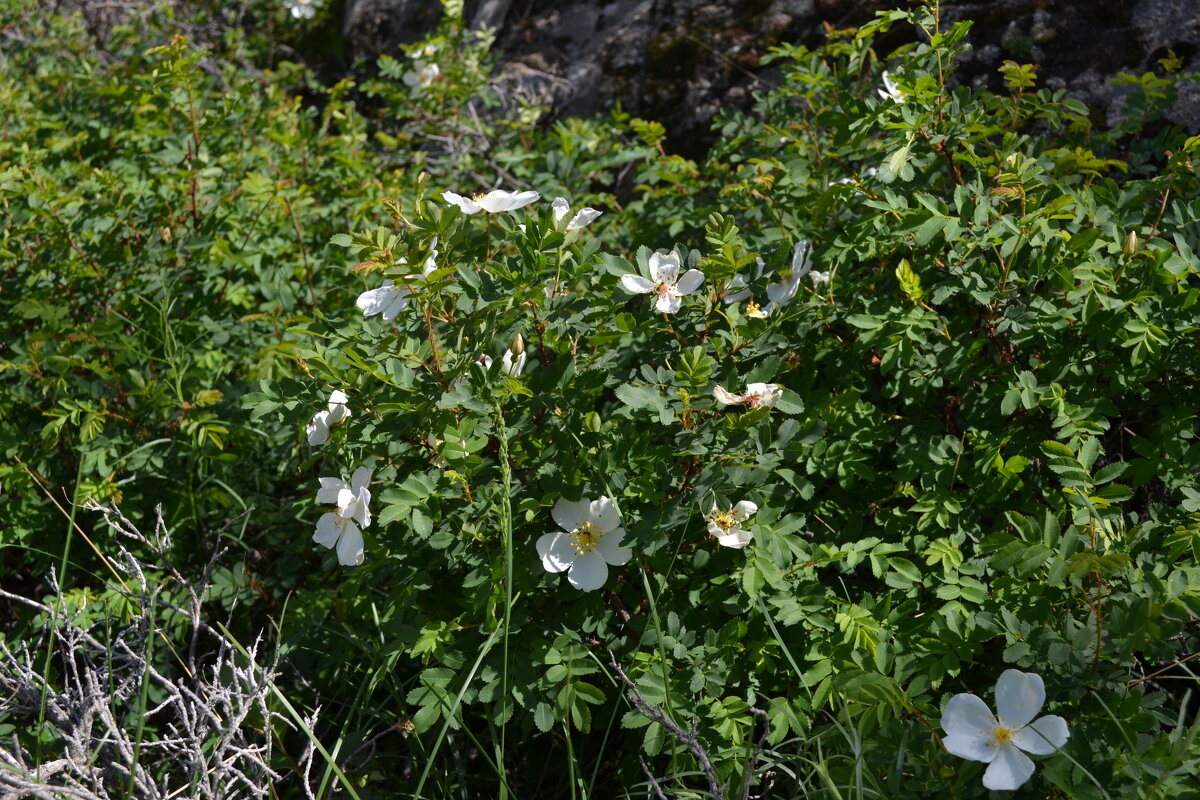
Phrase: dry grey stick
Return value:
(656, 714)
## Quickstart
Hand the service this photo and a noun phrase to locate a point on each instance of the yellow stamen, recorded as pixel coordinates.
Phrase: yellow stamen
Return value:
(585, 538)
(723, 520)
(752, 308)
(1001, 734)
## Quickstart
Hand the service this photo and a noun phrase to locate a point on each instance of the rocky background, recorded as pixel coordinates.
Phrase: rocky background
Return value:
(679, 61)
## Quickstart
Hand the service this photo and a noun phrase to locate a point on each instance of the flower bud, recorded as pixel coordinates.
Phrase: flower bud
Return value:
(1131, 244)
(518, 345)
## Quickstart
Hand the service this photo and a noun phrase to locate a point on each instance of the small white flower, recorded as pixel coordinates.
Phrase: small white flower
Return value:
(819, 277)
(421, 75)
(973, 733)
(512, 366)
(667, 284)
(582, 219)
(493, 202)
(764, 395)
(727, 525)
(486, 360)
(782, 292)
(342, 529)
(335, 413)
(754, 311)
(890, 90)
(301, 9)
(589, 541)
(392, 298)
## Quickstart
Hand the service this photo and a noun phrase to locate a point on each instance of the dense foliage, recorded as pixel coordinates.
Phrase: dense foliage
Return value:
(961, 412)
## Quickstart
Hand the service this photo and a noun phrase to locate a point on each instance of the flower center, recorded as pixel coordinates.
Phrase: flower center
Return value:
(661, 288)
(723, 520)
(752, 307)
(585, 538)
(1001, 735)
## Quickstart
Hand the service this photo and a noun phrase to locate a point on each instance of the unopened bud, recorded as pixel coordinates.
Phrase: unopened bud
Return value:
(518, 345)
(1131, 244)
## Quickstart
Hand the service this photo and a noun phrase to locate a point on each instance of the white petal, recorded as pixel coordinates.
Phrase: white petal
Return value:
(664, 267)
(514, 368)
(764, 395)
(609, 548)
(690, 281)
(328, 530)
(388, 300)
(714, 529)
(744, 510)
(330, 487)
(486, 360)
(668, 303)
(561, 208)
(1008, 770)
(1043, 736)
(468, 205)
(589, 572)
(738, 283)
(636, 284)
(338, 410)
(360, 478)
(361, 508)
(974, 747)
(500, 200)
(555, 551)
(801, 260)
(318, 429)
(350, 546)
(604, 514)
(571, 514)
(726, 398)
(784, 291)
(737, 538)
(345, 498)
(585, 217)
(967, 715)
(1019, 697)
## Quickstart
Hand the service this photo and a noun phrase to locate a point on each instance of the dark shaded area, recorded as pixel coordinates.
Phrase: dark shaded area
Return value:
(680, 61)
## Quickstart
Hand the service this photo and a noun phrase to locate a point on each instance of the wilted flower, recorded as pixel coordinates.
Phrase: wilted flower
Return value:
(764, 395)
(667, 285)
(341, 529)
(727, 525)
(494, 201)
(301, 9)
(421, 75)
(582, 219)
(336, 412)
(973, 733)
(589, 541)
(392, 298)
(890, 90)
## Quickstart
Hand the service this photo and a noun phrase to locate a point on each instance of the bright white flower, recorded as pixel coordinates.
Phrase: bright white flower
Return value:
(819, 277)
(486, 360)
(512, 366)
(342, 529)
(582, 219)
(890, 90)
(754, 311)
(493, 202)
(666, 282)
(727, 525)
(973, 733)
(421, 75)
(301, 9)
(589, 541)
(764, 395)
(335, 413)
(392, 298)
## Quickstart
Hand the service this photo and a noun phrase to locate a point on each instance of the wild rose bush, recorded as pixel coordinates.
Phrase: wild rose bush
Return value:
(744, 476)
(821, 437)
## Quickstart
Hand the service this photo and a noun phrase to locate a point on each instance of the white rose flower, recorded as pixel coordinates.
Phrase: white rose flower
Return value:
(421, 75)
(973, 733)
(764, 395)
(782, 292)
(335, 413)
(512, 366)
(727, 525)
(589, 541)
(392, 298)
(301, 9)
(341, 529)
(582, 219)
(493, 202)
(666, 282)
